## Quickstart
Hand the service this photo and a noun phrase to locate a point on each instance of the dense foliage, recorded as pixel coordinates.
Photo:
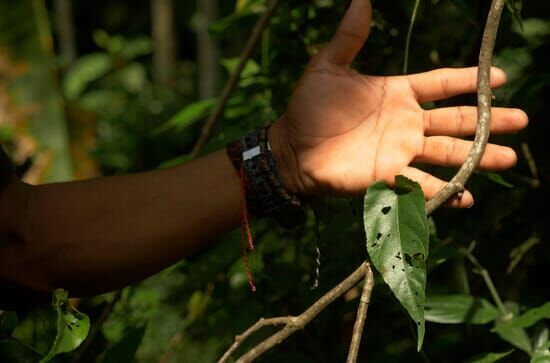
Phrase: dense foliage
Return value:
(120, 120)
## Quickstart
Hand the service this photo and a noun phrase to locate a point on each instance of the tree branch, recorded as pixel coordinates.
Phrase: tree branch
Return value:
(484, 98)
(293, 323)
(231, 85)
(361, 316)
(456, 185)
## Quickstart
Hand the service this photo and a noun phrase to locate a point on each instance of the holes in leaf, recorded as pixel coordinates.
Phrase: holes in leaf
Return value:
(374, 245)
(408, 260)
(398, 256)
(378, 235)
(386, 210)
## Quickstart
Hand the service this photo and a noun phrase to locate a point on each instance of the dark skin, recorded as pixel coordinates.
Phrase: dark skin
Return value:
(341, 132)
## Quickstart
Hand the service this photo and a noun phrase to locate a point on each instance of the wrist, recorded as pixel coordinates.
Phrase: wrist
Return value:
(285, 157)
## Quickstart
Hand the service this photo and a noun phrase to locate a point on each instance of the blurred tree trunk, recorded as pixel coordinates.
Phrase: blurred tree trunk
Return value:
(26, 50)
(207, 49)
(164, 42)
(65, 30)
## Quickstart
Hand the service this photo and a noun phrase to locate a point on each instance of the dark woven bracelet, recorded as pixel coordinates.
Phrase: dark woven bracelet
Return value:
(235, 153)
(266, 194)
(6, 170)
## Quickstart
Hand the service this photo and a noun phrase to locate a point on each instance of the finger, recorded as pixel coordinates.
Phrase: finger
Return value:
(352, 33)
(449, 151)
(461, 121)
(431, 186)
(448, 82)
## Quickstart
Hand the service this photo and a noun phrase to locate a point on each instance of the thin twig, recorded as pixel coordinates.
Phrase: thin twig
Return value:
(409, 36)
(361, 316)
(105, 313)
(231, 85)
(292, 323)
(484, 98)
(239, 339)
(481, 270)
(174, 342)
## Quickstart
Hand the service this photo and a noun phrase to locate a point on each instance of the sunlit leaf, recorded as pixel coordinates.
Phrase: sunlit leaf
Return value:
(189, 115)
(26, 46)
(85, 70)
(72, 326)
(457, 309)
(397, 241)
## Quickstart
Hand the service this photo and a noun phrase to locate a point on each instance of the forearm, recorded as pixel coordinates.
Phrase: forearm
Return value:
(97, 235)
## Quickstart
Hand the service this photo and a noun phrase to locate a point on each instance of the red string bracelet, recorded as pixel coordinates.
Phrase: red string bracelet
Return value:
(234, 151)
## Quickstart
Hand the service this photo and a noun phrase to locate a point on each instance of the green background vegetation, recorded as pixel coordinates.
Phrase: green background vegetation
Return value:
(110, 110)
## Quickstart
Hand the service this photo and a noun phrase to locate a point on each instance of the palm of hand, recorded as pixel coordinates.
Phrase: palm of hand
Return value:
(339, 119)
(342, 130)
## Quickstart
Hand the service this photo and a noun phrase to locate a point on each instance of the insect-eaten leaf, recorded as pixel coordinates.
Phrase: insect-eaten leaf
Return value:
(72, 326)
(458, 309)
(397, 233)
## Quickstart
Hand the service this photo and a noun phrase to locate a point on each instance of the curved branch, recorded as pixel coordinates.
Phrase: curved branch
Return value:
(231, 85)
(484, 98)
(293, 323)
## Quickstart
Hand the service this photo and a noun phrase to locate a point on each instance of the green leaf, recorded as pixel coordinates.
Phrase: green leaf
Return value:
(251, 68)
(397, 241)
(189, 115)
(541, 354)
(515, 336)
(457, 309)
(84, 71)
(498, 179)
(125, 349)
(72, 326)
(8, 322)
(527, 319)
(488, 357)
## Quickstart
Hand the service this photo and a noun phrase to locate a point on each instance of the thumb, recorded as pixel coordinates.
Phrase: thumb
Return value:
(352, 33)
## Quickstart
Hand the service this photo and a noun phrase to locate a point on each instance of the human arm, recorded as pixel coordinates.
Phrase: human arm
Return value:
(97, 235)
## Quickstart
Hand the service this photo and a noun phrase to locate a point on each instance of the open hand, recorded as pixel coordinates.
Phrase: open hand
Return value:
(343, 130)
